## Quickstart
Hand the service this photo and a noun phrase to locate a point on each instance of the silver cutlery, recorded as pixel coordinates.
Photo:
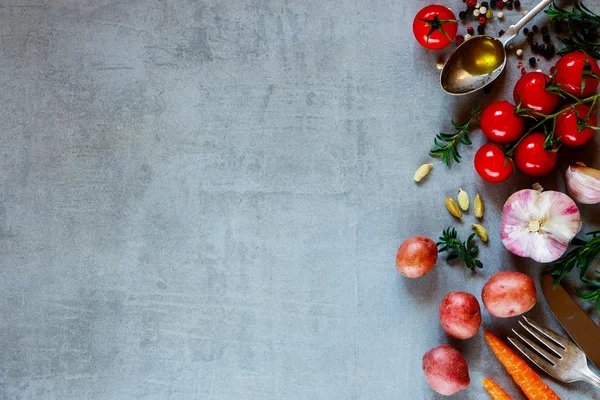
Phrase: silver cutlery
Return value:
(554, 354)
(584, 332)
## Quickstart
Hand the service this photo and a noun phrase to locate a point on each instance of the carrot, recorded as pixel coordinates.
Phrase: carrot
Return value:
(495, 391)
(530, 383)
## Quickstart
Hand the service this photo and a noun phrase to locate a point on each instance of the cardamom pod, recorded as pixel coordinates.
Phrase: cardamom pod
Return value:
(479, 206)
(453, 208)
(481, 232)
(421, 172)
(463, 199)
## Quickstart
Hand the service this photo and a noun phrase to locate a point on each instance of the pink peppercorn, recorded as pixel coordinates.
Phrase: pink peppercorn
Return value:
(523, 71)
(482, 20)
(470, 30)
(500, 4)
(459, 39)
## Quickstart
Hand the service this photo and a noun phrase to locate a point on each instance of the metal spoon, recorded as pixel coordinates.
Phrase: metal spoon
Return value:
(481, 59)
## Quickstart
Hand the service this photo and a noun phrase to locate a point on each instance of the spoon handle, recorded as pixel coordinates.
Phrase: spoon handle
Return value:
(513, 30)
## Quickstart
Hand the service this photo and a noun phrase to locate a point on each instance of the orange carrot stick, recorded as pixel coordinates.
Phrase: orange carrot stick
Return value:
(530, 383)
(495, 391)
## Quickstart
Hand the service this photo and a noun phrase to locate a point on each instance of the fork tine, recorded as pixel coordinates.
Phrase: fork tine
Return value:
(556, 349)
(537, 348)
(543, 364)
(559, 340)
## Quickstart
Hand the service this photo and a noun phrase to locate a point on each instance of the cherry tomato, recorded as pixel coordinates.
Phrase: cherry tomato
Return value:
(500, 124)
(569, 73)
(491, 163)
(569, 131)
(435, 26)
(532, 158)
(531, 92)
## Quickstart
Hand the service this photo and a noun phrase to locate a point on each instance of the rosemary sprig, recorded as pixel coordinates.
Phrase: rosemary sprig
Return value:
(581, 258)
(593, 295)
(582, 25)
(446, 144)
(466, 250)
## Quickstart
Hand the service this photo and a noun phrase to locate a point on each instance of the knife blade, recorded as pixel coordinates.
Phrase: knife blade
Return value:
(573, 319)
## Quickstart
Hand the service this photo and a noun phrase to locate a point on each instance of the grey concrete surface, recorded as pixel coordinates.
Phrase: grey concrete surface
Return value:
(203, 199)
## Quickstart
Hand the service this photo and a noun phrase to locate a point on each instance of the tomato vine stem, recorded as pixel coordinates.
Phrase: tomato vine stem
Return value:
(550, 139)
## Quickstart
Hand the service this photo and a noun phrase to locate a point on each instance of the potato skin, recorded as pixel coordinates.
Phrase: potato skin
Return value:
(445, 369)
(508, 294)
(460, 315)
(416, 256)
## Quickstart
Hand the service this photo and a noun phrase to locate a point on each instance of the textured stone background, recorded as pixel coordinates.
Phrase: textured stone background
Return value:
(203, 200)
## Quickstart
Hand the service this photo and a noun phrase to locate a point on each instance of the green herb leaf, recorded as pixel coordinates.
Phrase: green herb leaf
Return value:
(446, 144)
(582, 28)
(467, 250)
(581, 258)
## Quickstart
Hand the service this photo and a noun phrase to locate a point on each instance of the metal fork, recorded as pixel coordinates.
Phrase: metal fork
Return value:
(557, 356)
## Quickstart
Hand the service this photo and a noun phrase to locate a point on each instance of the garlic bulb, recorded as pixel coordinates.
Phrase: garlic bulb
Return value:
(539, 224)
(584, 183)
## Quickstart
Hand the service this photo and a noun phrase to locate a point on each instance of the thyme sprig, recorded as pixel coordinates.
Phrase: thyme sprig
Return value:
(467, 250)
(582, 26)
(446, 144)
(580, 258)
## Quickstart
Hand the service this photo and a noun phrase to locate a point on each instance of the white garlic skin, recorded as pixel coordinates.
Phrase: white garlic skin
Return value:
(583, 184)
(539, 225)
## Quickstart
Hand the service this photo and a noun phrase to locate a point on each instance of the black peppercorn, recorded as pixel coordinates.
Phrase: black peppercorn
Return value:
(481, 29)
(532, 61)
(530, 36)
(546, 38)
(509, 5)
(501, 33)
(517, 4)
(550, 50)
(542, 48)
(525, 31)
(535, 46)
(545, 30)
(535, 29)
(462, 15)
(485, 4)
(493, 3)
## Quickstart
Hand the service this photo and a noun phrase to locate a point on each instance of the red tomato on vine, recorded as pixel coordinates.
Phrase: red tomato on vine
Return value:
(577, 73)
(572, 125)
(532, 157)
(500, 124)
(530, 92)
(491, 163)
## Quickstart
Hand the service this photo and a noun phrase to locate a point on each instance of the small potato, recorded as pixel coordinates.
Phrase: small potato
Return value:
(508, 294)
(416, 256)
(460, 315)
(445, 369)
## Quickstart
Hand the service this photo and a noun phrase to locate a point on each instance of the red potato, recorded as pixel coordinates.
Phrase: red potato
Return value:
(445, 369)
(508, 294)
(460, 315)
(416, 256)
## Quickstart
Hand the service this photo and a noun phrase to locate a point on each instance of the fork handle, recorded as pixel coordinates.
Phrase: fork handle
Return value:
(590, 377)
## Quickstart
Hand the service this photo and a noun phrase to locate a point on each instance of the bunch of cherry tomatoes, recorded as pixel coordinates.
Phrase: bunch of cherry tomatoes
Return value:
(541, 102)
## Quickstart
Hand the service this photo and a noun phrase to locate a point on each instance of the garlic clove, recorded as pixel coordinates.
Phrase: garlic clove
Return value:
(583, 183)
(539, 225)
